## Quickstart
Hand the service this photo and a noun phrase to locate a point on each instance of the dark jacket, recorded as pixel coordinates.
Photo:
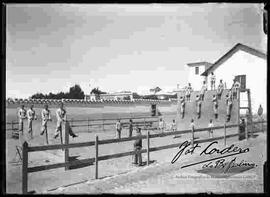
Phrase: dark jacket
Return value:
(138, 143)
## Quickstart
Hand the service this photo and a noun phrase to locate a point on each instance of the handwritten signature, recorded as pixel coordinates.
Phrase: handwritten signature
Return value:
(186, 149)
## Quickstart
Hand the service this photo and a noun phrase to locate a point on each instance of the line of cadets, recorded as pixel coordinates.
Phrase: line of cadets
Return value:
(30, 115)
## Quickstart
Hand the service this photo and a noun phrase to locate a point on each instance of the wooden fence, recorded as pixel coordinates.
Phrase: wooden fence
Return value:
(66, 146)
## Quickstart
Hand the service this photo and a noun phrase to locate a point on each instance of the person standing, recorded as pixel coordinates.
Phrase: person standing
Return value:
(138, 148)
(215, 106)
(31, 115)
(229, 106)
(260, 112)
(242, 129)
(220, 89)
(173, 128)
(213, 81)
(21, 117)
(188, 91)
(182, 106)
(198, 106)
(130, 126)
(203, 90)
(161, 125)
(235, 88)
(45, 116)
(118, 129)
(61, 116)
(210, 126)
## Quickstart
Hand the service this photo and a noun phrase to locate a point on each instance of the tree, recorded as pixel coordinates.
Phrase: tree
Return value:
(155, 90)
(136, 95)
(76, 92)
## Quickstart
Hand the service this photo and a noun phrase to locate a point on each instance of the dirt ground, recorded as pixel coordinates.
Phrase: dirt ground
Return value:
(115, 175)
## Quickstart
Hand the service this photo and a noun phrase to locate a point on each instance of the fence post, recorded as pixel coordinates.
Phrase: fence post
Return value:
(224, 134)
(12, 128)
(192, 140)
(144, 123)
(246, 130)
(103, 124)
(148, 148)
(96, 158)
(24, 167)
(66, 143)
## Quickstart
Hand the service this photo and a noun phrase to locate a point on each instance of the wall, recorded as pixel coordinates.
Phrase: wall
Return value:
(196, 80)
(242, 63)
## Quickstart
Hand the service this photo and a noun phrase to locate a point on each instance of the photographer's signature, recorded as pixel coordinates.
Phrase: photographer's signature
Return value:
(217, 164)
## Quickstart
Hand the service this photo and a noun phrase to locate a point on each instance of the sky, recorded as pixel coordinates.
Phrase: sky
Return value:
(120, 47)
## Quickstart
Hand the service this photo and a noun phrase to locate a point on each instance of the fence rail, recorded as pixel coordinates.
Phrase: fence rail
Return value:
(26, 149)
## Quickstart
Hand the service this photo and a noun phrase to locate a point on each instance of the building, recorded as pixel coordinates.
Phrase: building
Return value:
(246, 64)
(195, 71)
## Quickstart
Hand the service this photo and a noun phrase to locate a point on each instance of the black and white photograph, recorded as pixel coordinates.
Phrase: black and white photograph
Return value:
(154, 98)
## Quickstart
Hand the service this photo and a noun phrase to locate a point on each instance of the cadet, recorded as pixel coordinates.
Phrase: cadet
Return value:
(161, 125)
(61, 118)
(182, 106)
(188, 91)
(235, 87)
(45, 116)
(215, 106)
(198, 106)
(229, 106)
(173, 128)
(203, 90)
(137, 148)
(210, 126)
(220, 89)
(21, 117)
(130, 127)
(213, 81)
(242, 128)
(118, 128)
(31, 115)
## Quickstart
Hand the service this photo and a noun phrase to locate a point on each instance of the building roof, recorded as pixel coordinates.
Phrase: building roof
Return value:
(229, 54)
(206, 64)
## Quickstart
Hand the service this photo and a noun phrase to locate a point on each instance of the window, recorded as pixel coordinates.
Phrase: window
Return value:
(196, 70)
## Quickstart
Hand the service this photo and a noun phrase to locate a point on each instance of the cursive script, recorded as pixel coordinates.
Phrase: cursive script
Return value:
(209, 150)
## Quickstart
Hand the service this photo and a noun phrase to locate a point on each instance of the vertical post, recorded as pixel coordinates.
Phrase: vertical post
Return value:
(71, 122)
(103, 124)
(96, 158)
(148, 148)
(12, 128)
(144, 123)
(87, 124)
(46, 135)
(66, 143)
(24, 167)
(246, 130)
(192, 139)
(224, 134)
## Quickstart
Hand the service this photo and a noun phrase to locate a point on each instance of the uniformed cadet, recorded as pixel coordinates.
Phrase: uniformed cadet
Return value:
(210, 126)
(213, 81)
(229, 106)
(215, 106)
(260, 110)
(137, 148)
(45, 116)
(21, 116)
(173, 128)
(61, 118)
(118, 126)
(188, 91)
(130, 127)
(220, 89)
(235, 87)
(161, 125)
(31, 115)
(182, 106)
(203, 90)
(198, 106)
